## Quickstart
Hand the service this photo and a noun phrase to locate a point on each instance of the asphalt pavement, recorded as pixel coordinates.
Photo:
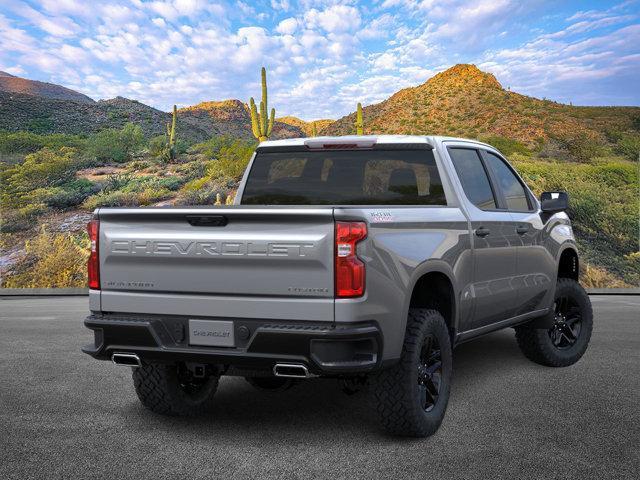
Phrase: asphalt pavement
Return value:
(65, 415)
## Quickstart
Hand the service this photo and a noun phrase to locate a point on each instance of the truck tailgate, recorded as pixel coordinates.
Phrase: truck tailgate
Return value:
(233, 262)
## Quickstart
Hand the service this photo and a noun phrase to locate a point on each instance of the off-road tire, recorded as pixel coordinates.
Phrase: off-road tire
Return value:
(396, 391)
(161, 390)
(536, 343)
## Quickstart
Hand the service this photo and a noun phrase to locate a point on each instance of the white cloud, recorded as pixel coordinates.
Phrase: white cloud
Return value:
(335, 19)
(378, 27)
(159, 22)
(280, 5)
(287, 26)
(56, 26)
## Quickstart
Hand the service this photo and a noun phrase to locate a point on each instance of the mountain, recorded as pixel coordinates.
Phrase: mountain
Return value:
(231, 117)
(306, 127)
(47, 108)
(19, 111)
(16, 85)
(464, 101)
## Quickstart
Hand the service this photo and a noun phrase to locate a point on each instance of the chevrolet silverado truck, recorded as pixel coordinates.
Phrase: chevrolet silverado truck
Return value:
(362, 258)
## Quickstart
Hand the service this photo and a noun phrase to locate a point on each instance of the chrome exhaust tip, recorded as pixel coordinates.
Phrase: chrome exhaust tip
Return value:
(291, 370)
(126, 359)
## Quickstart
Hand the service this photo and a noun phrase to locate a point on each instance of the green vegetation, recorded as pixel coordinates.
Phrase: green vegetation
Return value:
(52, 261)
(116, 145)
(27, 142)
(261, 126)
(359, 124)
(507, 146)
(170, 147)
(604, 207)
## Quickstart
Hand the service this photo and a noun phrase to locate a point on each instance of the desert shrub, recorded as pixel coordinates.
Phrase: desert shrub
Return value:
(43, 169)
(581, 146)
(157, 145)
(116, 182)
(594, 277)
(28, 142)
(204, 191)
(116, 145)
(215, 145)
(24, 218)
(507, 146)
(171, 183)
(51, 261)
(629, 146)
(68, 195)
(40, 125)
(111, 199)
(207, 195)
(232, 160)
(126, 198)
(137, 165)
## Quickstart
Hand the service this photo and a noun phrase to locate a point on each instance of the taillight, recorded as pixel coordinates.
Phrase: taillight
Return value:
(93, 265)
(350, 270)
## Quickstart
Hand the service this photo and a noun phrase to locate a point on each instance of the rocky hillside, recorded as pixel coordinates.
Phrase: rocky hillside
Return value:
(231, 117)
(12, 85)
(464, 101)
(306, 127)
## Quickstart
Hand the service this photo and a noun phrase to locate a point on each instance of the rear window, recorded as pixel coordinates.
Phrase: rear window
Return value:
(356, 177)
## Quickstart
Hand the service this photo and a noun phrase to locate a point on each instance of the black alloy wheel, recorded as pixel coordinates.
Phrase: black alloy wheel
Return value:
(568, 323)
(430, 372)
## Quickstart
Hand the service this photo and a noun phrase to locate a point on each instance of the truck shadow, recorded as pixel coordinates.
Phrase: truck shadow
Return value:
(315, 409)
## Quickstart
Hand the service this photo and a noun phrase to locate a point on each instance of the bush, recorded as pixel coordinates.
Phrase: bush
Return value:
(27, 142)
(16, 220)
(68, 195)
(116, 145)
(44, 169)
(581, 146)
(126, 199)
(507, 146)
(52, 261)
(158, 145)
(233, 159)
(629, 146)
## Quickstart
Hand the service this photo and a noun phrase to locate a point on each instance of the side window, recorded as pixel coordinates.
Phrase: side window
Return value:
(511, 187)
(473, 177)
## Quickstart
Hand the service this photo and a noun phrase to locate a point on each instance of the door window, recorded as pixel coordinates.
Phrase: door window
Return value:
(512, 189)
(473, 177)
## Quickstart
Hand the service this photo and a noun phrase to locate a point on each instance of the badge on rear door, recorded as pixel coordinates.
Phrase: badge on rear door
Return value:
(212, 333)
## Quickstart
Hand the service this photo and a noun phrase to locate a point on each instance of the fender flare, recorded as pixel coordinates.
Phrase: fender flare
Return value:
(432, 266)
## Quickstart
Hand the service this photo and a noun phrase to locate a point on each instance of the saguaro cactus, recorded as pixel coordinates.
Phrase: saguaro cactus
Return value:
(359, 125)
(171, 135)
(260, 124)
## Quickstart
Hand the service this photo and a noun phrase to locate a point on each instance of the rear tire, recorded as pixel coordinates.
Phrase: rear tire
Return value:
(568, 339)
(411, 397)
(172, 390)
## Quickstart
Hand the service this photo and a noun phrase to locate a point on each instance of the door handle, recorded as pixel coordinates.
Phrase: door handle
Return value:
(482, 231)
(522, 229)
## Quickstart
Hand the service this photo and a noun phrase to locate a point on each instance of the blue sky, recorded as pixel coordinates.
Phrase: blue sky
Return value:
(322, 56)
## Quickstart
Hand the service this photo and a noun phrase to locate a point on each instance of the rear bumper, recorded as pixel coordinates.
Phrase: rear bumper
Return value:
(323, 347)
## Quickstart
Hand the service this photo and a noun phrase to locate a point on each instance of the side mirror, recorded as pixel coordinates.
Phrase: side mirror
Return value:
(552, 202)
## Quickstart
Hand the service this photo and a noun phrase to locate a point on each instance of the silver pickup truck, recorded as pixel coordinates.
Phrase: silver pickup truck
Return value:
(364, 258)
